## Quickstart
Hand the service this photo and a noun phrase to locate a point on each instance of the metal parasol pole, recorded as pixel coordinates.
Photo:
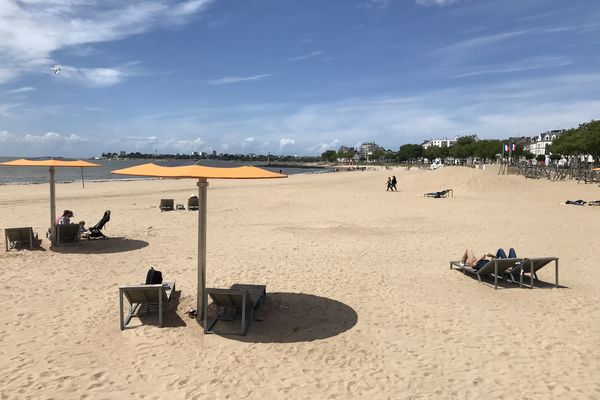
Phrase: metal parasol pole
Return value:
(52, 206)
(202, 186)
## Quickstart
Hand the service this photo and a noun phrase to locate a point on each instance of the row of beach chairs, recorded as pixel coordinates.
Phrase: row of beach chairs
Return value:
(25, 238)
(238, 305)
(509, 269)
(169, 204)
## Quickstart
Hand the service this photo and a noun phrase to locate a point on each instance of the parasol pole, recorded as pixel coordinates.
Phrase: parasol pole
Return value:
(202, 186)
(52, 206)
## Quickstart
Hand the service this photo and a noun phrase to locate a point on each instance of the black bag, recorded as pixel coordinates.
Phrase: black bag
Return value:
(153, 277)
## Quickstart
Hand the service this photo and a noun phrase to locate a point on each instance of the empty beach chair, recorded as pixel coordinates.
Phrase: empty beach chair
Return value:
(143, 299)
(444, 193)
(239, 301)
(193, 203)
(531, 266)
(67, 234)
(20, 238)
(167, 204)
(495, 267)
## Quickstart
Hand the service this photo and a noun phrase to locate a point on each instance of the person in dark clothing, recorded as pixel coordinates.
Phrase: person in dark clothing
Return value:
(394, 181)
(389, 184)
(469, 258)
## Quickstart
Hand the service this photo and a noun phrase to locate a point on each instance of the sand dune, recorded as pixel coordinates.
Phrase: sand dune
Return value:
(362, 302)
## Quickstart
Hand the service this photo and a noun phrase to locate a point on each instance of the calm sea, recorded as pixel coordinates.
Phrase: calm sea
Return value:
(27, 175)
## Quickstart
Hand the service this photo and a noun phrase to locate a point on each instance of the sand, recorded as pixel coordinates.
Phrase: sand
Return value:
(361, 304)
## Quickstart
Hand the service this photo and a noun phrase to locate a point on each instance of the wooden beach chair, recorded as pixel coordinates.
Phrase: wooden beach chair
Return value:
(443, 194)
(167, 204)
(238, 302)
(531, 266)
(143, 299)
(68, 234)
(495, 267)
(193, 203)
(20, 238)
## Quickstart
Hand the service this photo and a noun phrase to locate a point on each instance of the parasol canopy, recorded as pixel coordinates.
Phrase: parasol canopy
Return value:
(201, 173)
(52, 163)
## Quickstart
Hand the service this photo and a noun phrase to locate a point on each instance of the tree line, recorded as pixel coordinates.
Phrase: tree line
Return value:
(582, 140)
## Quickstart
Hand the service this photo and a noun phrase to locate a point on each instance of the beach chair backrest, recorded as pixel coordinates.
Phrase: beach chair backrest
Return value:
(167, 204)
(145, 293)
(503, 265)
(22, 236)
(193, 201)
(230, 297)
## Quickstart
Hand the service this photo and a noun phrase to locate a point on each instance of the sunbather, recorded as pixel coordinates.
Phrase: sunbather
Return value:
(469, 258)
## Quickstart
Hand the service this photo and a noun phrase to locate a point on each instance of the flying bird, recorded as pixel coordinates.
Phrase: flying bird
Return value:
(56, 68)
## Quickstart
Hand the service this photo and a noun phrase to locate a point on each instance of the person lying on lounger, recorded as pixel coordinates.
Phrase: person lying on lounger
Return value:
(469, 258)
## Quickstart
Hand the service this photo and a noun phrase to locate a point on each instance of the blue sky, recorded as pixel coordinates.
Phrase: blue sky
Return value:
(289, 76)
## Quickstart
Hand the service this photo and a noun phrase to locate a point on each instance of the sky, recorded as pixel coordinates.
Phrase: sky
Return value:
(294, 77)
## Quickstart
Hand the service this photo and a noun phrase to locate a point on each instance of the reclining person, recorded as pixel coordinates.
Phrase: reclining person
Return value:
(469, 258)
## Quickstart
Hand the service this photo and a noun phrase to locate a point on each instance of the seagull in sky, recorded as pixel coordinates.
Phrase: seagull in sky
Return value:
(56, 68)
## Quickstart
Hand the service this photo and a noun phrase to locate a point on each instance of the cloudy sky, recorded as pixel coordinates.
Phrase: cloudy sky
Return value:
(289, 76)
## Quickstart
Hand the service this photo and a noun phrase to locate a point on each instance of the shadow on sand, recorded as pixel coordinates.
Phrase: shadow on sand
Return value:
(149, 315)
(294, 317)
(101, 246)
(505, 284)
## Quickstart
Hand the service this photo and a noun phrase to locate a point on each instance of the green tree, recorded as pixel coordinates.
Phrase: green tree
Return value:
(329, 155)
(410, 152)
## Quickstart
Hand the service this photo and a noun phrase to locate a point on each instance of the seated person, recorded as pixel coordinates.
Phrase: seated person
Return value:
(469, 258)
(65, 219)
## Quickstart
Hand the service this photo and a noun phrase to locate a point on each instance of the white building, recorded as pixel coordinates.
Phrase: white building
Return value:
(539, 143)
(444, 142)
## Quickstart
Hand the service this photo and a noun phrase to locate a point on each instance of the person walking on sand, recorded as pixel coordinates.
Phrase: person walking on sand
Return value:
(389, 184)
(393, 186)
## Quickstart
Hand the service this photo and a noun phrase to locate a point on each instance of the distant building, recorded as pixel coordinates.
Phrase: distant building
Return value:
(122, 153)
(443, 142)
(346, 149)
(538, 143)
(214, 153)
(367, 148)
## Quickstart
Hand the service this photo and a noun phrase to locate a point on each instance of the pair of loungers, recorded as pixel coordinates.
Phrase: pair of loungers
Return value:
(509, 269)
(169, 204)
(240, 303)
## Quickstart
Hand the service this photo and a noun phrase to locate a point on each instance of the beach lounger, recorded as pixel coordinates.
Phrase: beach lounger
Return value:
(495, 267)
(193, 203)
(442, 194)
(145, 298)
(67, 234)
(167, 204)
(20, 238)
(531, 266)
(239, 301)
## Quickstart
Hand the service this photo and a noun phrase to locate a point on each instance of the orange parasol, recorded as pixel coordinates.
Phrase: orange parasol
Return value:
(52, 164)
(202, 174)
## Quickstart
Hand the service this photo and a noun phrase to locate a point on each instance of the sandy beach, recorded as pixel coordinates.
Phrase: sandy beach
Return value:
(361, 300)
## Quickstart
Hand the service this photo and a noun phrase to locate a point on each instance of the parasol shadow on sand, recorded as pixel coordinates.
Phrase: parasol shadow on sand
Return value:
(100, 246)
(202, 174)
(294, 317)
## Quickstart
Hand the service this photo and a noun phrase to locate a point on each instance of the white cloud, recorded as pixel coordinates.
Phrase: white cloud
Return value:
(250, 140)
(440, 3)
(306, 56)
(379, 4)
(23, 89)
(283, 142)
(236, 79)
(33, 30)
